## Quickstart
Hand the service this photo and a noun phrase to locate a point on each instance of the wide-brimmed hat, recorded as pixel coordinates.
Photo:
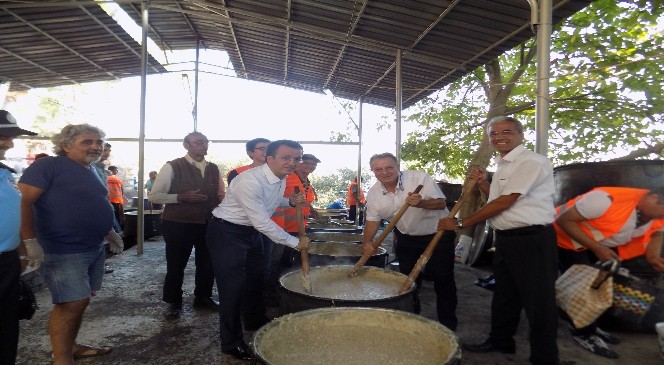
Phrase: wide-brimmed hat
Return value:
(9, 127)
(308, 156)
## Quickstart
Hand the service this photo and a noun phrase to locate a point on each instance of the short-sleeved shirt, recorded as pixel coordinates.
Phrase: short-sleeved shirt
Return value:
(10, 206)
(73, 213)
(595, 203)
(531, 175)
(382, 204)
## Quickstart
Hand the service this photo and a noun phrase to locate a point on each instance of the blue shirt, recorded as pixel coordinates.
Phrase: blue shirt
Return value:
(10, 208)
(73, 213)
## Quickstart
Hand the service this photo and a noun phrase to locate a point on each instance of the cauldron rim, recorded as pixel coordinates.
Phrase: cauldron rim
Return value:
(347, 267)
(381, 250)
(456, 354)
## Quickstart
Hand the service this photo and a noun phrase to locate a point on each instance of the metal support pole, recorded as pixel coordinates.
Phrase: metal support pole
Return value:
(359, 164)
(140, 217)
(398, 105)
(543, 74)
(195, 111)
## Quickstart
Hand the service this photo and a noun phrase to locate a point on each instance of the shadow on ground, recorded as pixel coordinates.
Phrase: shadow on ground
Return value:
(127, 314)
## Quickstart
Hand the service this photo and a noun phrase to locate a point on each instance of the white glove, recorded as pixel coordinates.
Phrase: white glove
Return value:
(115, 242)
(35, 252)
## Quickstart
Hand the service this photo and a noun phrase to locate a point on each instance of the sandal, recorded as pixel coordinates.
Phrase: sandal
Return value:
(87, 351)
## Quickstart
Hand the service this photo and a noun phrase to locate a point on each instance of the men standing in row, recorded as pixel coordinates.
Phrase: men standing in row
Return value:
(520, 210)
(609, 223)
(237, 251)
(415, 229)
(65, 210)
(13, 252)
(190, 187)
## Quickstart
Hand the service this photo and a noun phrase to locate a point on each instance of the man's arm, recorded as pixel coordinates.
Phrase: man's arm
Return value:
(569, 220)
(491, 209)
(29, 195)
(654, 251)
(162, 185)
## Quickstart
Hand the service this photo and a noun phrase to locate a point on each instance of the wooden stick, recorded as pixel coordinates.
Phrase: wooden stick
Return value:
(426, 255)
(393, 222)
(304, 254)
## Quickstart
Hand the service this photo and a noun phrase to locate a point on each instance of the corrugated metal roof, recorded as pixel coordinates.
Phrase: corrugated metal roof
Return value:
(50, 43)
(346, 46)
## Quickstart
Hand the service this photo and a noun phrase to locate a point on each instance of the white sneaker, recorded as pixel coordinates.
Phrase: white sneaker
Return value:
(595, 345)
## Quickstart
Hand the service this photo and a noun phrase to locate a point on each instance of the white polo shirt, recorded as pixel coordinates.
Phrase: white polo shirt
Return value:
(382, 204)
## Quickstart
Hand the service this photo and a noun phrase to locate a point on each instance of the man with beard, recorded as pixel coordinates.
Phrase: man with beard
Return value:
(65, 211)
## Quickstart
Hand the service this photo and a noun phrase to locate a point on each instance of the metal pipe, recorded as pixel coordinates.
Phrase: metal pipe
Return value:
(195, 111)
(359, 163)
(140, 217)
(398, 105)
(543, 74)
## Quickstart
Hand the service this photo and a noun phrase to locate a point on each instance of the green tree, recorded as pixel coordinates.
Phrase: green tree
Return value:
(605, 94)
(333, 186)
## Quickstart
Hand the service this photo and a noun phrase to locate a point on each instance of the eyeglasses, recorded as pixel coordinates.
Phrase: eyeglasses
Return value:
(262, 149)
(506, 132)
(290, 159)
(200, 143)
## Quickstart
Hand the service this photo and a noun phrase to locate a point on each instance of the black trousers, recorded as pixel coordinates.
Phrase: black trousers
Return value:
(10, 272)
(239, 267)
(440, 268)
(352, 214)
(525, 267)
(180, 238)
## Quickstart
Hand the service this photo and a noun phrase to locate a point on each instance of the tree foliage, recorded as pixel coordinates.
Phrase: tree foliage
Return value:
(605, 94)
(331, 187)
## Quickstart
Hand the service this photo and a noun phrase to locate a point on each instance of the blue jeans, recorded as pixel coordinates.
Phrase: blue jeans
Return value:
(73, 276)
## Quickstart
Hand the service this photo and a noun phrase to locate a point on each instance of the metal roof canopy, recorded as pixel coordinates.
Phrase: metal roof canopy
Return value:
(43, 44)
(345, 46)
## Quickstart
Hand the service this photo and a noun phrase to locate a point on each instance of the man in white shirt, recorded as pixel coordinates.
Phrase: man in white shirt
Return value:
(520, 209)
(236, 249)
(415, 229)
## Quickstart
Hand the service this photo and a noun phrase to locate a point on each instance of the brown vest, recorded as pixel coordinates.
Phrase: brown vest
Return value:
(187, 177)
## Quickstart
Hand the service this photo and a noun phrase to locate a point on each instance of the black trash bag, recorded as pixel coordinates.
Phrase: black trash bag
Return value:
(27, 303)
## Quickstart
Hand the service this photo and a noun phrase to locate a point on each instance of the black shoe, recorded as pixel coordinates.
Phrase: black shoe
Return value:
(607, 337)
(596, 345)
(488, 346)
(255, 324)
(240, 352)
(173, 311)
(108, 270)
(206, 303)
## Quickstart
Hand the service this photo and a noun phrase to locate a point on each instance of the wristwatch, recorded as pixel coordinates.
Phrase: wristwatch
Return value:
(459, 224)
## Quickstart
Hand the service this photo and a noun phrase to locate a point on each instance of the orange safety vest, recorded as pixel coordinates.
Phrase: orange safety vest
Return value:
(114, 189)
(286, 218)
(350, 197)
(624, 203)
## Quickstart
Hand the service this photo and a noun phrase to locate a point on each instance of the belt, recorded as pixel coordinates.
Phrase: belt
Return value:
(521, 231)
(8, 252)
(221, 220)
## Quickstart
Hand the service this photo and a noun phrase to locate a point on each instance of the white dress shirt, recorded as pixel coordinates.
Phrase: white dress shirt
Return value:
(252, 198)
(382, 204)
(531, 175)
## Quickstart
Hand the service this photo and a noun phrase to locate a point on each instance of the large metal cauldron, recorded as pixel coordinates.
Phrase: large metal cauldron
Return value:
(343, 336)
(575, 179)
(333, 228)
(151, 225)
(342, 253)
(331, 287)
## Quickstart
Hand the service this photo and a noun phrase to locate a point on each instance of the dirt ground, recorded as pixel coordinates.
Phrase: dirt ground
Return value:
(127, 314)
